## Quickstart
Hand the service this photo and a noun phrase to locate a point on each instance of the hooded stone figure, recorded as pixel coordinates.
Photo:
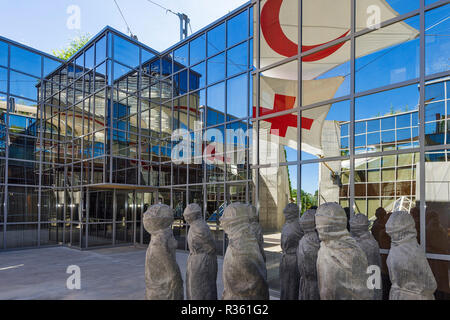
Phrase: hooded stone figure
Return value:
(290, 237)
(380, 213)
(359, 230)
(308, 248)
(162, 275)
(201, 271)
(410, 273)
(255, 227)
(341, 263)
(244, 270)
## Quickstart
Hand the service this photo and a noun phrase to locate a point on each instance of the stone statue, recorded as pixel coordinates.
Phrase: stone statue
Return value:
(341, 263)
(162, 275)
(290, 237)
(307, 250)
(255, 227)
(201, 271)
(244, 271)
(410, 273)
(359, 229)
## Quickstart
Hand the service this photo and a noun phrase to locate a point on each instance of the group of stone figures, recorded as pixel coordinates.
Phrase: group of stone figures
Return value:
(321, 259)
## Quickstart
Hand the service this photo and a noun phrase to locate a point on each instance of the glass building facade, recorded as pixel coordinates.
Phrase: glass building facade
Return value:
(279, 101)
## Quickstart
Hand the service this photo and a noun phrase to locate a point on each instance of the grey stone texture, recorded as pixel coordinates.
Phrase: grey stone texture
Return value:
(341, 263)
(409, 271)
(359, 230)
(201, 273)
(307, 251)
(162, 275)
(244, 270)
(255, 227)
(290, 237)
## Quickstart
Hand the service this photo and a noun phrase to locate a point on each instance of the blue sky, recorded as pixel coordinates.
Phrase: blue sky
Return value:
(30, 22)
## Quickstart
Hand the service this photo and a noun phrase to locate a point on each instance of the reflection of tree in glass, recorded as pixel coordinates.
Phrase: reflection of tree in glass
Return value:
(74, 45)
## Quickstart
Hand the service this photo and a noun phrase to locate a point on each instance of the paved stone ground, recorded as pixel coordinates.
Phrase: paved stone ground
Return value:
(106, 274)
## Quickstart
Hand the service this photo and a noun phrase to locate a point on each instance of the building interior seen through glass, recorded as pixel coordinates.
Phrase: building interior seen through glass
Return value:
(352, 110)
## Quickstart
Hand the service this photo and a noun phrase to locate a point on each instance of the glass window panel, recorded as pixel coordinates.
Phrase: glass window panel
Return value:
(435, 111)
(4, 80)
(181, 55)
(126, 52)
(197, 76)
(237, 28)
(370, 13)
(216, 68)
(323, 182)
(25, 61)
(435, 91)
(237, 59)
(100, 50)
(146, 56)
(23, 85)
(216, 40)
(197, 49)
(388, 55)
(278, 138)
(89, 61)
(237, 95)
(50, 66)
(279, 31)
(321, 137)
(373, 139)
(331, 74)
(216, 104)
(437, 44)
(3, 54)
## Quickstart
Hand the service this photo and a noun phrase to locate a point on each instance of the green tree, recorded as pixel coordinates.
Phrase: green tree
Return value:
(308, 200)
(74, 45)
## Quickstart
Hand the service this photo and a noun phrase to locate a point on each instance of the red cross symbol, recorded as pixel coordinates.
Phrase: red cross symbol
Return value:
(280, 124)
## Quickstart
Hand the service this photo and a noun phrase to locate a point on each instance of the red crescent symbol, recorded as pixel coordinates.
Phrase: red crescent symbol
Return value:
(277, 40)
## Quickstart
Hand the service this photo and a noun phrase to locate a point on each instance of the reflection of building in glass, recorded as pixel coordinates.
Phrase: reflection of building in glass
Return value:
(86, 144)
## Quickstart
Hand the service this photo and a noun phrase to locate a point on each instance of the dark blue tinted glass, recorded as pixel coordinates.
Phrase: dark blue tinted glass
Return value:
(373, 125)
(216, 104)
(50, 66)
(251, 22)
(166, 65)
(147, 56)
(373, 139)
(3, 80)
(197, 76)
(3, 54)
(404, 121)
(237, 95)
(237, 28)
(180, 83)
(25, 61)
(344, 143)
(237, 59)
(434, 111)
(388, 136)
(388, 123)
(100, 50)
(126, 52)
(404, 135)
(360, 141)
(216, 68)
(360, 127)
(155, 67)
(197, 49)
(181, 56)
(435, 92)
(415, 118)
(216, 40)
(89, 61)
(23, 85)
(344, 129)
(120, 71)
